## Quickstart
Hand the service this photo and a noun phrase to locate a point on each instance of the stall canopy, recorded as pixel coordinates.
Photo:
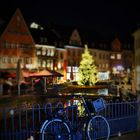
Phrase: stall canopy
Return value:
(56, 74)
(43, 73)
(24, 74)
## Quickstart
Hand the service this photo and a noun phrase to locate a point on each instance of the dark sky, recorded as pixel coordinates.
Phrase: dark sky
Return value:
(108, 17)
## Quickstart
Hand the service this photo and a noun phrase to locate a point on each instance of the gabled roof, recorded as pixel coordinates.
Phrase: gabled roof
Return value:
(59, 35)
(16, 25)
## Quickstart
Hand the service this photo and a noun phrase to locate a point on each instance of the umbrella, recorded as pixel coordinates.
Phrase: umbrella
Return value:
(19, 76)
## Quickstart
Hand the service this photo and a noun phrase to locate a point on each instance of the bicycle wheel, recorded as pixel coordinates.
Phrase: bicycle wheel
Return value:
(98, 128)
(55, 129)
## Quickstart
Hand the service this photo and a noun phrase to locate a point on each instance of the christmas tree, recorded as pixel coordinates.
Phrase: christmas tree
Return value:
(87, 72)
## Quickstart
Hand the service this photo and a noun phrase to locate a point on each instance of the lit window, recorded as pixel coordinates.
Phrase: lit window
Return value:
(112, 56)
(48, 52)
(43, 52)
(44, 63)
(38, 52)
(39, 63)
(107, 65)
(48, 63)
(4, 59)
(52, 52)
(118, 56)
(59, 65)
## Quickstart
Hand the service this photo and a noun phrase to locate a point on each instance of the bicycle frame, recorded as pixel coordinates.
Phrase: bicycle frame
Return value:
(92, 124)
(85, 105)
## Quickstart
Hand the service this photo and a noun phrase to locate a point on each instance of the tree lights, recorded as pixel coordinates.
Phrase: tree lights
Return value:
(87, 73)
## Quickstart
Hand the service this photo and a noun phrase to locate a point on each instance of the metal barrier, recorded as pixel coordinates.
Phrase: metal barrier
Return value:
(21, 124)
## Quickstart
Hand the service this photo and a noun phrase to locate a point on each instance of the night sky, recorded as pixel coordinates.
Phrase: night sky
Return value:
(110, 18)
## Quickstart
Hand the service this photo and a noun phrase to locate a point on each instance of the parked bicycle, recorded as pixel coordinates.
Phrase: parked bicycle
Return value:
(96, 126)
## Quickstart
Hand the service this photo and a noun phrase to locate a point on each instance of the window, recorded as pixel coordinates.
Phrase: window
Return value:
(14, 60)
(100, 56)
(45, 40)
(17, 45)
(95, 54)
(79, 52)
(103, 56)
(61, 55)
(6, 45)
(68, 69)
(107, 57)
(48, 63)
(44, 63)
(4, 59)
(52, 52)
(68, 51)
(41, 39)
(118, 56)
(39, 63)
(49, 52)
(13, 45)
(69, 62)
(43, 51)
(29, 60)
(107, 65)
(74, 53)
(59, 65)
(38, 52)
(112, 56)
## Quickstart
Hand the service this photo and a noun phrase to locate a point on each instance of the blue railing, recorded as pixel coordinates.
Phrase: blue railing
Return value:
(21, 124)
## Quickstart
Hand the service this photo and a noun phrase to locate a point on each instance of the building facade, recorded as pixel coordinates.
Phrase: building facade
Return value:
(41, 51)
(16, 43)
(136, 36)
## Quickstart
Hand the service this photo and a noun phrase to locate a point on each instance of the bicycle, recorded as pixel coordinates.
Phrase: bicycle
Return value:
(97, 126)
